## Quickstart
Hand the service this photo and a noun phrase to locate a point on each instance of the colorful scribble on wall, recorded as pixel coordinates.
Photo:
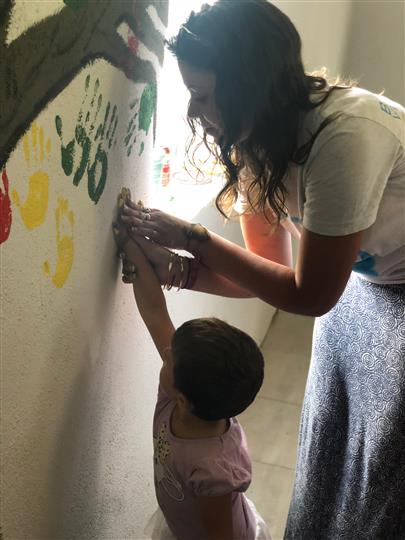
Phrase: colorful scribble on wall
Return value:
(36, 67)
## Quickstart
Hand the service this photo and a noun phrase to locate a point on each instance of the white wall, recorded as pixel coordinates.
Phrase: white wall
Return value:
(79, 373)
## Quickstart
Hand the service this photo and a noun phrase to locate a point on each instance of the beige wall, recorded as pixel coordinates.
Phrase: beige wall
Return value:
(323, 26)
(359, 39)
(375, 48)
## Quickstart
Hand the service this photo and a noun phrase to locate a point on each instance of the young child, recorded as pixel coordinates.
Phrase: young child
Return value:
(211, 372)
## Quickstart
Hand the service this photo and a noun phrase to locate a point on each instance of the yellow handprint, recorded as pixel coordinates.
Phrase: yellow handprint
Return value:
(64, 244)
(33, 210)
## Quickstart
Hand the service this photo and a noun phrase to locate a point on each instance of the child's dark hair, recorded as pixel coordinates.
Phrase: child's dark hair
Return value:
(218, 367)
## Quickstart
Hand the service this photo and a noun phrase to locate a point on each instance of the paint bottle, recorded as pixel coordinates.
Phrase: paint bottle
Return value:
(165, 176)
(158, 157)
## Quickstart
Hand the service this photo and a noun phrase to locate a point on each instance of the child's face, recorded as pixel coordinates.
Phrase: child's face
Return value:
(201, 85)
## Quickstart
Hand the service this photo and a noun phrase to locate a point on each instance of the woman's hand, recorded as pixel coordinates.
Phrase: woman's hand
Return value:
(160, 227)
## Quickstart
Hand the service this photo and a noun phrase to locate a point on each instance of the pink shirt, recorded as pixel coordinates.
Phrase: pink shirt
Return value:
(188, 468)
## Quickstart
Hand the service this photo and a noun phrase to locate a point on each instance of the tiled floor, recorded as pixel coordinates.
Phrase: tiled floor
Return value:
(271, 423)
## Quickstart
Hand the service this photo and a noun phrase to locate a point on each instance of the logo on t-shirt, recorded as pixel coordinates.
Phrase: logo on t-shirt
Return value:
(392, 111)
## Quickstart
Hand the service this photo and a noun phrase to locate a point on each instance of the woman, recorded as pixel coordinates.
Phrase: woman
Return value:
(330, 159)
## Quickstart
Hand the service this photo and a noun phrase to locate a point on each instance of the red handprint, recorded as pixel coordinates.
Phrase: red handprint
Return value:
(5, 209)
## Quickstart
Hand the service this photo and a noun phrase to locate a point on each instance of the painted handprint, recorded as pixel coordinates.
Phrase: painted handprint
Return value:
(33, 210)
(5, 209)
(147, 107)
(140, 120)
(82, 151)
(130, 136)
(64, 219)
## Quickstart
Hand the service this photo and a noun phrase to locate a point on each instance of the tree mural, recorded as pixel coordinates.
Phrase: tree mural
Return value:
(41, 62)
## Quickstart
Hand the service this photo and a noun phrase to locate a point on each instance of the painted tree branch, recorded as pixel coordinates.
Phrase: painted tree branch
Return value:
(41, 62)
(5, 13)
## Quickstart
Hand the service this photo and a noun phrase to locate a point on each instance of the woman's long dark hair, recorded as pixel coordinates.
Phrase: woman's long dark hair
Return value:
(261, 89)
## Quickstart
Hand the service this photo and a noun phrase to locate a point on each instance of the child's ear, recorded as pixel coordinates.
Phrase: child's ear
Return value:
(182, 401)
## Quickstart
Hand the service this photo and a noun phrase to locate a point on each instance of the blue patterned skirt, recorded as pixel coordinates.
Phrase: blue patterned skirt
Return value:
(350, 476)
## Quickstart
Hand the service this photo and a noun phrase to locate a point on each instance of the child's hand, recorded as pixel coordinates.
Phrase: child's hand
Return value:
(148, 295)
(147, 289)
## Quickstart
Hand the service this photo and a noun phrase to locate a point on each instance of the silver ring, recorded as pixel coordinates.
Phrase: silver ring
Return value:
(130, 276)
(146, 216)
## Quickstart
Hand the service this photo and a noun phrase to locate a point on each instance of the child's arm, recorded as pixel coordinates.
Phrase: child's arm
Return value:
(150, 299)
(216, 515)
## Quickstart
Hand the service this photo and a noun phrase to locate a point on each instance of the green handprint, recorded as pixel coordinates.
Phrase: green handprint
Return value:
(145, 113)
(86, 136)
(131, 128)
(147, 107)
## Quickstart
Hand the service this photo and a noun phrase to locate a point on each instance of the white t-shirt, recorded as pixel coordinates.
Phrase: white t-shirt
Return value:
(354, 179)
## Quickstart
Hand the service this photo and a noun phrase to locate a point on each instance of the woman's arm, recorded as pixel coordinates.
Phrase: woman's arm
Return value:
(268, 240)
(207, 280)
(323, 267)
(261, 237)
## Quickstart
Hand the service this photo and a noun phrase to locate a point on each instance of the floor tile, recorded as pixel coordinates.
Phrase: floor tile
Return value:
(271, 428)
(289, 333)
(287, 352)
(270, 491)
(271, 423)
(284, 377)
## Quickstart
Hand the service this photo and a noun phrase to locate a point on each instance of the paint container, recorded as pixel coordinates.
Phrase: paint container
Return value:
(161, 166)
(157, 165)
(165, 175)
